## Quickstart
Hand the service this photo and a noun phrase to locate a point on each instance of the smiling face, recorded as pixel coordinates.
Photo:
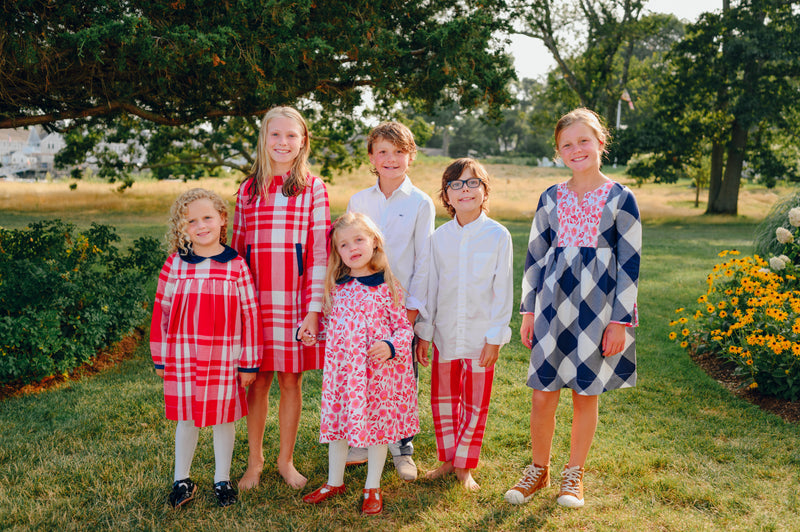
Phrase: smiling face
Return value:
(579, 148)
(203, 225)
(355, 247)
(390, 161)
(466, 201)
(285, 139)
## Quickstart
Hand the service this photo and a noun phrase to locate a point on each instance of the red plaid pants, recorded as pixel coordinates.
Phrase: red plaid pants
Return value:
(460, 394)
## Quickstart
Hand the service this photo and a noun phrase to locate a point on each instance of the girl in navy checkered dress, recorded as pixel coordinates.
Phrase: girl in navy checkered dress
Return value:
(280, 228)
(578, 301)
(204, 337)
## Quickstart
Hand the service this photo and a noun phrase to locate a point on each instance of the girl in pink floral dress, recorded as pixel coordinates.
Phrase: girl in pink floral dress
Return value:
(369, 396)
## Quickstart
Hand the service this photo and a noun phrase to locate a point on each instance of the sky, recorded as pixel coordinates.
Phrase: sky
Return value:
(532, 60)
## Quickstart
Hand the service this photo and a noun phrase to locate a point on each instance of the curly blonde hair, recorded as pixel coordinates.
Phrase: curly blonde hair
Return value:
(379, 262)
(262, 168)
(178, 240)
(454, 171)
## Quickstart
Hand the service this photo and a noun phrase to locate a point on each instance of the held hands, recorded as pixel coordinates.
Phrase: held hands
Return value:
(421, 352)
(246, 379)
(613, 339)
(526, 330)
(379, 352)
(307, 333)
(489, 355)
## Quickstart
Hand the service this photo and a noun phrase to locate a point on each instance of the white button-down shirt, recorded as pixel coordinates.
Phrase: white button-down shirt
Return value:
(470, 288)
(406, 220)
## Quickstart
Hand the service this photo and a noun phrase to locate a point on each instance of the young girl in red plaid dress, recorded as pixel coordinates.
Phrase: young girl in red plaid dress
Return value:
(280, 228)
(204, 337)
(369, 392)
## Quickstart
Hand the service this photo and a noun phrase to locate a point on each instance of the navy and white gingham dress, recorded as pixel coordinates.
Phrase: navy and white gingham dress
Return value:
(576, 291)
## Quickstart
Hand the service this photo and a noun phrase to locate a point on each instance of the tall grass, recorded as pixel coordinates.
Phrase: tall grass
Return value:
(677, 452)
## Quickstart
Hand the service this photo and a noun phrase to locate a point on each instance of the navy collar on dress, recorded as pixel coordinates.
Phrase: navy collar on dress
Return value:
(375, 279)
(227, 255)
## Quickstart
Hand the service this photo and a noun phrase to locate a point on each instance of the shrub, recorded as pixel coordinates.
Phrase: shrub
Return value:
(64, 295)
(750, 315)
(765, 242)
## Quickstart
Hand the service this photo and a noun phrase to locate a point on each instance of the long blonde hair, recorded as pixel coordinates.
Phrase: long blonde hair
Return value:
(262, 173)
(379, 262)
(178, 240)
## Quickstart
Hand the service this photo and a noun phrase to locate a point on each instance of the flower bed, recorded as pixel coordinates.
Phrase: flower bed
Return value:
(750, 315)
(65, 295)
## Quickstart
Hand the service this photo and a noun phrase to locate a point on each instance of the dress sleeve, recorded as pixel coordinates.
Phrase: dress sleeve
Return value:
(317, 246)
(401, 332)
(239, 223)
(159, 324)
(250, 357)
(540, 240)
(418, 284)
(499, 333)
(628, 253)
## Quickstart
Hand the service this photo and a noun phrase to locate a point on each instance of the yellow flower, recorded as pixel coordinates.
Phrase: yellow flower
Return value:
(683, 320)
(749, 362)
(684, 344)
(673, 335)
(721, 304)
(710, 309)
(722, 313)
(753, 386)
(678, 310)
(702, 299)
(685, 332)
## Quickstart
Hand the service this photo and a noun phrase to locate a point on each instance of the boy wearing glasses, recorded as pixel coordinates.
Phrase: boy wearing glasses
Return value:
(469, 305)
(405, 216)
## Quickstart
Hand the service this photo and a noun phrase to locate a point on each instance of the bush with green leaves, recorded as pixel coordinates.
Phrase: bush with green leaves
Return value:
(65, 295)
(765, 242)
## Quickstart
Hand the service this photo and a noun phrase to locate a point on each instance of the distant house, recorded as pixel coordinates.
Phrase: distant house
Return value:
(25, 154)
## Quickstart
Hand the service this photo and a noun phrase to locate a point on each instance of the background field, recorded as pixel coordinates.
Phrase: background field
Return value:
(678, 452)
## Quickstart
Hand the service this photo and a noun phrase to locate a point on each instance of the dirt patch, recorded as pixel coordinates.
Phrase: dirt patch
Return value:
(122, 350)
(722, 372)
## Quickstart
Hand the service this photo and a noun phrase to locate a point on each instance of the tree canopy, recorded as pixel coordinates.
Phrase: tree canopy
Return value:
(181, 64)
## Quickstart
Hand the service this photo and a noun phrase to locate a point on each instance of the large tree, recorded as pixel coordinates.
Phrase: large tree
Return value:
(188, 64)
(732, 91)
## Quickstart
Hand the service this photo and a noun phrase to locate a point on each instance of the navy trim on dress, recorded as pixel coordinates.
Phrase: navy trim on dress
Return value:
(375, 279)
(227, 255)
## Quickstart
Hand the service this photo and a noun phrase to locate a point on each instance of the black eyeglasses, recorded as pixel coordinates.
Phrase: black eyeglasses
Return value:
(458, 184)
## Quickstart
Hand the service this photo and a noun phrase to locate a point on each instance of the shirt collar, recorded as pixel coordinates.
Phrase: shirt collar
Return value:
(405, 187)
(474, 224)
(375, 279)
(227, 255)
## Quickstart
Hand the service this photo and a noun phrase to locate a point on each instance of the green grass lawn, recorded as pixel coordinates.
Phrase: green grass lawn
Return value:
(678, 452)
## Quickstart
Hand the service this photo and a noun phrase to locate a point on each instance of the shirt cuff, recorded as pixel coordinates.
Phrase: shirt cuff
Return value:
(498, 335)
(391, 348)
(424, 331)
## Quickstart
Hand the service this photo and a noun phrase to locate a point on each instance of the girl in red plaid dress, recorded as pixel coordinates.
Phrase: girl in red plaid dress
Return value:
(369, 392)
(204, 337)
(280, 228)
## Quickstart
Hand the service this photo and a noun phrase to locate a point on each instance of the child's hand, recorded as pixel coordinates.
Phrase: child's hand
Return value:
(421, 352)
(160, 372)
(412, 315)
(246, 379)
(489, 355)
(379, 352)
(613, 339)
(526, 330)
(307, 333)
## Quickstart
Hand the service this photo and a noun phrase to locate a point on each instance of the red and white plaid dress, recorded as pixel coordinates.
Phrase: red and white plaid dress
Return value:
(284, 240)
(204, 329)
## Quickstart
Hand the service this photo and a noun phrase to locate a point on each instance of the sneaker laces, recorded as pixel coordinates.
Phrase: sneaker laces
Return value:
(530, 476)
(571, 480)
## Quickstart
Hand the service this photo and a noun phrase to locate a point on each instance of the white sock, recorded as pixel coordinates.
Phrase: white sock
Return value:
(186, 435)
(376, 458)
(224, 438)
(337, 460)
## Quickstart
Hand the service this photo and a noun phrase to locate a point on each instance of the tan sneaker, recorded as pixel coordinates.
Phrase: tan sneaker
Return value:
(405, 466)
(571, 494)
(533, 479)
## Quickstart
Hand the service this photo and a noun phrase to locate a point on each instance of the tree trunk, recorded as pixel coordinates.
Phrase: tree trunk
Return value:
(446, 141)
(715, 177)
(727, 201)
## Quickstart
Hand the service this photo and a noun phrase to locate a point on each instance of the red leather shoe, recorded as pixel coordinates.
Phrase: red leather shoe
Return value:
(373, 502)
(317, 496)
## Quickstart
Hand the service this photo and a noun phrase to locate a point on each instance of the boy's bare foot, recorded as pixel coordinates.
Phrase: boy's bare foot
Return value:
(251, 477)
(445, 469)
(464, 476)
(291, 476)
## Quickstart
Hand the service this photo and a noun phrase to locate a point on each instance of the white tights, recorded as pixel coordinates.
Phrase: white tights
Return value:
(186, 434)
(337, 460)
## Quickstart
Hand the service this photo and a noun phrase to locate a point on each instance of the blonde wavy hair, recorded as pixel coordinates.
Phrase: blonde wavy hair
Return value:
(396, 133)
(262, 172)
(379, 262)
(454, 171)
(178, 240)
